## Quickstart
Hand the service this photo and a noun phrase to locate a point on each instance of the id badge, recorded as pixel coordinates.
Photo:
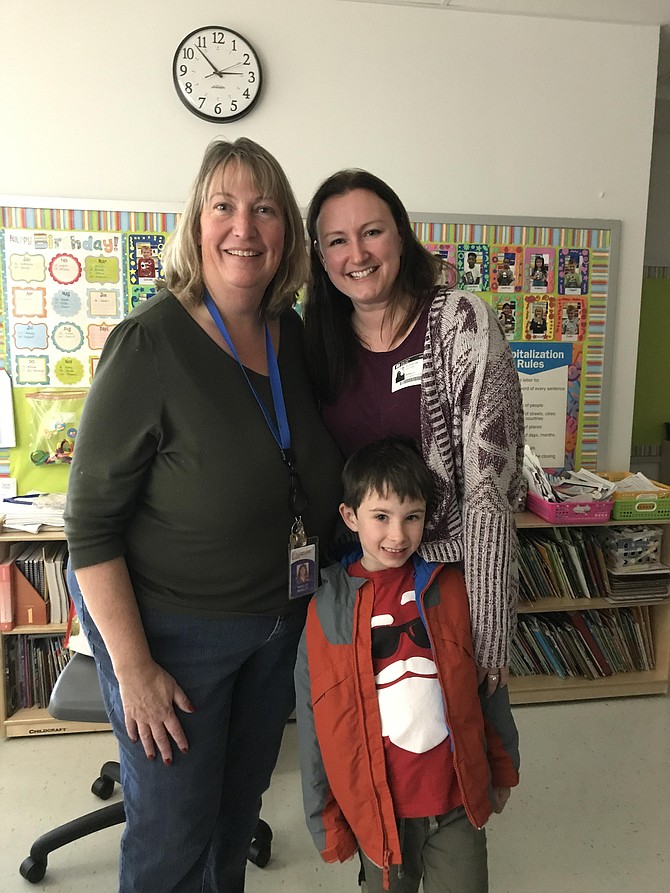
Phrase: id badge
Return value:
(406, 373)
(303, 569)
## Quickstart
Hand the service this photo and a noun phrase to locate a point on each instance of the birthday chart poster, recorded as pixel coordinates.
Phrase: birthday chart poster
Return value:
(63, 296)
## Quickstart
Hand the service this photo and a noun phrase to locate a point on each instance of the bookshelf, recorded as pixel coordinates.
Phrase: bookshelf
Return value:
(537, 689)
(32, 721)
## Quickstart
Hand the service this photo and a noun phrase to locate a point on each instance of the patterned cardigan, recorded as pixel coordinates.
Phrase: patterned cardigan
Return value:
(472, 437)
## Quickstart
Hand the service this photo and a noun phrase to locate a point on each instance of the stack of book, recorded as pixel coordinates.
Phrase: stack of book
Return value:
(562, 562)
(41, 567)
(32, 665)
(592, 644)
(634, 569)
(631, 585)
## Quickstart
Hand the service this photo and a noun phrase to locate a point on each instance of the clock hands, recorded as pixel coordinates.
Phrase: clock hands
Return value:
(222, 71)
(216, 71)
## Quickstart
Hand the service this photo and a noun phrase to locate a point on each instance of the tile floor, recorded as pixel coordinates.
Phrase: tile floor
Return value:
(592, 814)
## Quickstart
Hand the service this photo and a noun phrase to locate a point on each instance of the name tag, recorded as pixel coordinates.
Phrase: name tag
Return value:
(406, 373)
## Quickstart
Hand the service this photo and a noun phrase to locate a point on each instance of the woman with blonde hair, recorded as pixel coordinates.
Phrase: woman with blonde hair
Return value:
(200, 457)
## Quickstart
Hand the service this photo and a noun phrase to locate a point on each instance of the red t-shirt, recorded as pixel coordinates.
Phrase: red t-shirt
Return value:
(419, 762)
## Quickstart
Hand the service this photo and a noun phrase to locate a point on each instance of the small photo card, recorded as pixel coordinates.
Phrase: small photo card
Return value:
(473, 267)
(447, 252)
(508, 310)
(573, 271)
(144, 258)
(506, 269)
(539, 266)
(539, 318)
(571, 319)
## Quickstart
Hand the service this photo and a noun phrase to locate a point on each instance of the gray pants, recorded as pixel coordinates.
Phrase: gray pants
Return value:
(446, 851)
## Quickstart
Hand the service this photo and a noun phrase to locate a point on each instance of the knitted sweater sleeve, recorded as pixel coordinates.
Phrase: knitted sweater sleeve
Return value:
(475, 419)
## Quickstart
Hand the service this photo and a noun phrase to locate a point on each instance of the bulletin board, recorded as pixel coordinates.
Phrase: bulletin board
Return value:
(552, 284)
(69, 274)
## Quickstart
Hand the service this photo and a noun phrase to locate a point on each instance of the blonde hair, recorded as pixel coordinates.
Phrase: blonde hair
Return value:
(182, 257)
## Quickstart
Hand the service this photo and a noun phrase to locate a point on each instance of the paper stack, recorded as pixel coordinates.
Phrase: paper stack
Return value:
(34, 512)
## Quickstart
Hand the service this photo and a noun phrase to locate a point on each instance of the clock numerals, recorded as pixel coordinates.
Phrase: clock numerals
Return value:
(217, 74)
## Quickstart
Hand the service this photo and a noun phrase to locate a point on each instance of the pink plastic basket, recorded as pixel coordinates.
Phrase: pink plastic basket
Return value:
(570, 512)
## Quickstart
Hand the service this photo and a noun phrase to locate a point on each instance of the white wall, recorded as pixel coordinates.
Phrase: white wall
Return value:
(460, 112)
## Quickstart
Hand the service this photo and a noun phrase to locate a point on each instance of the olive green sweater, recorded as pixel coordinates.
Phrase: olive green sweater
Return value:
(176, 469)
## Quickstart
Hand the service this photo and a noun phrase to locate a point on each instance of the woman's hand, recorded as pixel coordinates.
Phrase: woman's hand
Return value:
(148, 693)
(495, 676)
(149, 696)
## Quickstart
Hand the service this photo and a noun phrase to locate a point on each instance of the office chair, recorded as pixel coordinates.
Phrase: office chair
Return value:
(77, 697)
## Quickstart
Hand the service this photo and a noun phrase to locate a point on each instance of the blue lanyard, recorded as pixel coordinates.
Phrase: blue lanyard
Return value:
(280, 432)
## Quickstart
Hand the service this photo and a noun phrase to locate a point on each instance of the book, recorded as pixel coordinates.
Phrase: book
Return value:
(538, 629)
(573, 553)
(591, 581)
(533, 647)
(589, 641)
(6, 595)
(53, 557)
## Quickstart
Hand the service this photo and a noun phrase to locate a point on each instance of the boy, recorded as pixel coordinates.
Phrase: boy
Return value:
(400, 757)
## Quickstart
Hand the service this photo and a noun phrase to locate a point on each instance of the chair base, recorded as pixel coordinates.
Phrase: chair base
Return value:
(33, 868)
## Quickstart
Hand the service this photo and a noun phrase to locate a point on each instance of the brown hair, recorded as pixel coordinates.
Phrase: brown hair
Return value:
(330, 339)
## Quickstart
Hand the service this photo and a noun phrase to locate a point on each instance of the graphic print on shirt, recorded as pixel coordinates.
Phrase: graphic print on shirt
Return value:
(408, 691)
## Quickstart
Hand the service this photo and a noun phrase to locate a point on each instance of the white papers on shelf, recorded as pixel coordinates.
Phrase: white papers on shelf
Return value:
(34, 512)
(634, 483)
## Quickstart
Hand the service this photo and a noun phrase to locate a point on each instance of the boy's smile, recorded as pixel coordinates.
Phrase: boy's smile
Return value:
(389, 529)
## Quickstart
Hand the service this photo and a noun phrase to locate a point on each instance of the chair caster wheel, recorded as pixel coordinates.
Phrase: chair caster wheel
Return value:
(263, 832)
(259, 852)
(32, 870)
(103, 788)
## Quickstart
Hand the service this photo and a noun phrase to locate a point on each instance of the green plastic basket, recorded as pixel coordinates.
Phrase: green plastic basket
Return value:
(647, 505)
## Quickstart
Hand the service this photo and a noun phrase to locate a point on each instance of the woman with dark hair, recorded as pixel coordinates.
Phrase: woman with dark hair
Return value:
(200, 457)
(393, 352)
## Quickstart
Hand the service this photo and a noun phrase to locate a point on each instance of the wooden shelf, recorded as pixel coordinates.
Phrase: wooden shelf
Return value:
(543, 689)
(581, 604)
(35, 721)
(20, 536)
(546, 689)
(39, 629)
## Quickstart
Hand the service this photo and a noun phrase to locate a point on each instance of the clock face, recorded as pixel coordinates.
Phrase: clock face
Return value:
(217, 74)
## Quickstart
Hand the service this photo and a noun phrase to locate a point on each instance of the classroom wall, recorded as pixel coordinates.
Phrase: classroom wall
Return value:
(657, 248)
(652, 386)
(462, 112)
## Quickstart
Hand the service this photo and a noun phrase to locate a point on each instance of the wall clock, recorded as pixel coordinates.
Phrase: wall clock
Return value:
(217, 74)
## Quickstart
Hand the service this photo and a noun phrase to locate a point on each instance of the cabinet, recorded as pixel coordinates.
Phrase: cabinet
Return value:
(542, 689)
(32, 721)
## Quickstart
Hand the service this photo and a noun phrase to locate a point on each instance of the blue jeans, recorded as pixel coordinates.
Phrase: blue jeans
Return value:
(189, 825)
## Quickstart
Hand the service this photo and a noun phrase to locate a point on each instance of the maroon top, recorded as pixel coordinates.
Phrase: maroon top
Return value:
(386, 397)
